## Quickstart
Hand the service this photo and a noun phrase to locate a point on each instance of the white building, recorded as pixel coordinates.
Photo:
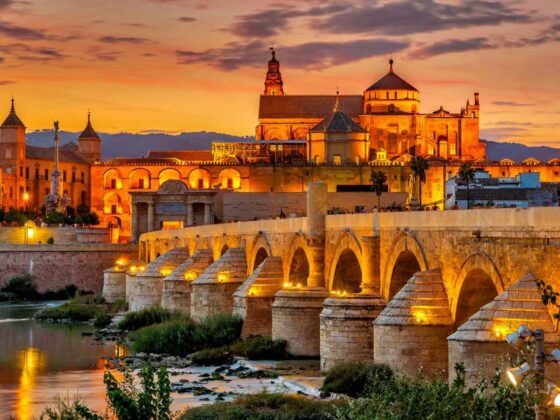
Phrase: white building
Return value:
(524, 190)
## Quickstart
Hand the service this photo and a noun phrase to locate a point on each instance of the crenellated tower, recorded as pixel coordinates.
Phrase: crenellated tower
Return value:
(273, 84)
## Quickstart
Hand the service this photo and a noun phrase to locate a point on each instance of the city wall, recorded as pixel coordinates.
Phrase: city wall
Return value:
(56, 266)
(60, 235)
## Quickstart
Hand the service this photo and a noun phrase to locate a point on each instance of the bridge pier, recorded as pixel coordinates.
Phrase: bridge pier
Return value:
(114, 283)
(411, 332)
(147, 287)
(480, 343)
(177, 287)
(253, 300)
(347, 328)
(212, 292)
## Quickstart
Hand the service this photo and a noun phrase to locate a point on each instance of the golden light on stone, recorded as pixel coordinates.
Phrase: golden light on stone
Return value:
(223, 276)
(298, 286)
(501, 331)
(133, 268)
(142, 268)
(252, 292)
(165, 271)
(420, 316)
(121, 262)
(287, 285)
(190, 275)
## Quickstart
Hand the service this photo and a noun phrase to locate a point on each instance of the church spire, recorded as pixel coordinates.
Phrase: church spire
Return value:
(336, 107)
(273, 84)
(12, 120)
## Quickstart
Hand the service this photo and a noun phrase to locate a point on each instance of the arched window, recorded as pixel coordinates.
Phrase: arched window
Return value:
(368, 109)
(200, 179)
(230, 179)
(112, 179)
(395, 95)
(168, 174)
(140, 179)
(112, 203)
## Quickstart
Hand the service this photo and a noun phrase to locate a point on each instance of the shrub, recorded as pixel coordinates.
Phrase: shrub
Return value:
(88, 299)
(71, 311)
(50, 241)
(220, 329)
(119, 305)
(152, 315)
(265, 406)
(209, 357)
(55, 218)
(21, 287)
(178, 338)
(90, 218)
(260, 348)
(15, 216)
(66, 409)
(355, 379)
(102, 319)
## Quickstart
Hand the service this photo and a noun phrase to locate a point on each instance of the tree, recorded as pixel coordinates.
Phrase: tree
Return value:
(466, 174)
(379, 184)
(419, 165)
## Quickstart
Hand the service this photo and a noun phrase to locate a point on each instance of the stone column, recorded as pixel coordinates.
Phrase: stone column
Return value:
(316, 228)
(150, 217)
(207, 214)
(134, 223)
(190, 216)
(371, 262)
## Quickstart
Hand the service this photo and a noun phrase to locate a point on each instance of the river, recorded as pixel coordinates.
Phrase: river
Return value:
(39, 362)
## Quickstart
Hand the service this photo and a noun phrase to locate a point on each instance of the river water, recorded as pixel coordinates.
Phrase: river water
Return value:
(39, 362)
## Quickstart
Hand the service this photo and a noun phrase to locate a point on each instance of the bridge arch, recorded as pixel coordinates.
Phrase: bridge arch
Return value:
(406, 257)
(345, 270)
(297, 262)
(260, 249)
(477, 283)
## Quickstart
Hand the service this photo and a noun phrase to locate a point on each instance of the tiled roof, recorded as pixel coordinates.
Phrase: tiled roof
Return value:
(266, 280)
(12, 120)
(391, 81)
(338, 121)
(47, 153)
(421, 301)
(184, 155)
(166, 263)
(141, 161)
(193, 266)
(232, 266)
(307, 106)
(520, 304)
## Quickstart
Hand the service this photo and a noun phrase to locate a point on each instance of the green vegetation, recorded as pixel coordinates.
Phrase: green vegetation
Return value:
(84, 216)
(181, 337)
(81, 308)
(260, 348)
(24, 288)
(356, 379)
(149, 316)
(212, 357)
(265, 407)
(102, 320)
(150, 399)
(50, 240)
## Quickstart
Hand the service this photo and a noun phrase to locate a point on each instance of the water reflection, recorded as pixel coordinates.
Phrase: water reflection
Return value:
(40, 361)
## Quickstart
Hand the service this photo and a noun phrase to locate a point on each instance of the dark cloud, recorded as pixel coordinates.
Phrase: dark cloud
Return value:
(109, 39)
(136, 25)
(108, 55)
(405, 17)
(5, 4)
(275, 20)
(312, 55)
(6, 82)
(186, 19)
(510, 103)
(20, 32)
(26, 52)
(452, 46)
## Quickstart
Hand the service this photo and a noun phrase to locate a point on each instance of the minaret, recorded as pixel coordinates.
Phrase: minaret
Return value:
(89, 143)
(273, 84)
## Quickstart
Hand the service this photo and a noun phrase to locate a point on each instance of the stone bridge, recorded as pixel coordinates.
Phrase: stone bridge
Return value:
(401, 288)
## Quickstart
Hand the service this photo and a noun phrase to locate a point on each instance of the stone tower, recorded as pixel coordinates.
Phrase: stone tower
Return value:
(273, 84)
(89, 143)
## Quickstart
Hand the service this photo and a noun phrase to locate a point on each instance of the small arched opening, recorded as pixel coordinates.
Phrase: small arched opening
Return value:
(224, 250)
(404, 268)
(299, 268)
(348, 273)
(477, 290)
(260, 257)
(168, 174)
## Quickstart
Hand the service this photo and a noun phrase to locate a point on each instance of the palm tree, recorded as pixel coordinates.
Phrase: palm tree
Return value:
(466, 174)
(419, 165)
(379, 182)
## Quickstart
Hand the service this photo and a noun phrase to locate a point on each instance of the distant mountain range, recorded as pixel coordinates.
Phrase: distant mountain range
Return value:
(137, 145)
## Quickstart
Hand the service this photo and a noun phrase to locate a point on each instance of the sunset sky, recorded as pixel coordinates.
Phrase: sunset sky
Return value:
(190, 65)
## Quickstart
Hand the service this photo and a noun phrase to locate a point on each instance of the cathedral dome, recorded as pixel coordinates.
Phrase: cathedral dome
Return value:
(391, 81)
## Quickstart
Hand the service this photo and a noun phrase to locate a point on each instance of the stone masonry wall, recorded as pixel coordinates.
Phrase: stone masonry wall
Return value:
(56, 266)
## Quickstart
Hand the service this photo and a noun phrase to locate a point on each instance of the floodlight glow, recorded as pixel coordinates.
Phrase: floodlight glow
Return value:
(516, 375)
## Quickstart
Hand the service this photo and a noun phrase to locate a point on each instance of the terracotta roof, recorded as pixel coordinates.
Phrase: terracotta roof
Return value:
(307, 106)
(338, 121)
(89, 132)
(184, 155)
(141, 161)
(47, 153)
(421, 301)
(520, 304)
(12, 120)
(391, 82)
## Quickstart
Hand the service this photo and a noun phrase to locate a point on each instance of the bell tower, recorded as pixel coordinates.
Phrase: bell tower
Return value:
(89, 143)
(273, 84)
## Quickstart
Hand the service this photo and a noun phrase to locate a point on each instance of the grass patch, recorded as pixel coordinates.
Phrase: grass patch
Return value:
(71, 311)
(212, 357)
(133, 321)
(260, 348)
(356, 379)
(181, 337)
(102, 320)
(265, 406)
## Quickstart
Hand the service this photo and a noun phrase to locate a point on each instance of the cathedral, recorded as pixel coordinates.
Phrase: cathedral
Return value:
(352, 128)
